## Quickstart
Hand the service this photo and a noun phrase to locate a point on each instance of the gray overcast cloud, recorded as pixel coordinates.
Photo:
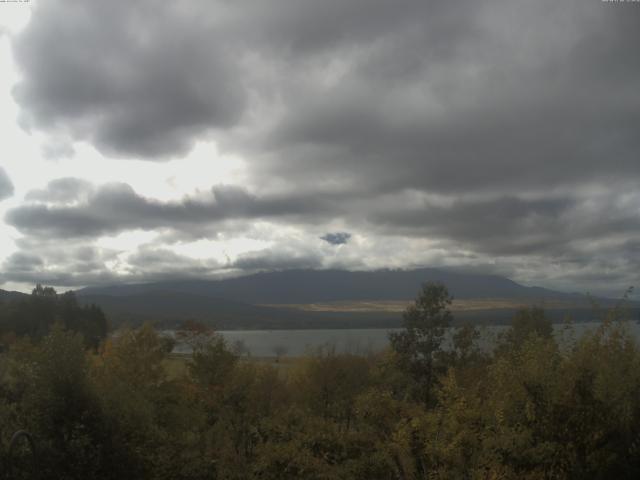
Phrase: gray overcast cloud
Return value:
(6, 187)
(499, 133)
(114, 208)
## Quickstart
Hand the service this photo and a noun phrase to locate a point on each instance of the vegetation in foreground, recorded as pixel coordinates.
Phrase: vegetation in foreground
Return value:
(530, 409)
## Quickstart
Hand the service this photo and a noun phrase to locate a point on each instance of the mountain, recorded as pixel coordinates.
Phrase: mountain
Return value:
(322, 299)
(7, 295)
(330, 299)
(170, 308)
(309, 286)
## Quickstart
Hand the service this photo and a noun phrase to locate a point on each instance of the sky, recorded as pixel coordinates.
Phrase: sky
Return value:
(142, 141)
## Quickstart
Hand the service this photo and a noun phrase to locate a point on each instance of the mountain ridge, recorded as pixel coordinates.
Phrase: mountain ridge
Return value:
(308, 286)
(293, 299)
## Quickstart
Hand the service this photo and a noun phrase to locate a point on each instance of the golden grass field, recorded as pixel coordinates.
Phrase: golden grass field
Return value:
(394, 306)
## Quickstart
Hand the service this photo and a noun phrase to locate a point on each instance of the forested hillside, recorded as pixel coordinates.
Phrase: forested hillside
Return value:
(34, 315)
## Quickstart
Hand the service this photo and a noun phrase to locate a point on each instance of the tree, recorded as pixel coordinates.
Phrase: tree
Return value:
(527, 322)
(43, 292)
(35, 315)
(212, 362)
(328, 383)
(418, 346)
(61, 409)
(464, 344)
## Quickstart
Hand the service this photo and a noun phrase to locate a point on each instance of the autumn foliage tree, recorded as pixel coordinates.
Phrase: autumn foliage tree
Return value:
(527, 406)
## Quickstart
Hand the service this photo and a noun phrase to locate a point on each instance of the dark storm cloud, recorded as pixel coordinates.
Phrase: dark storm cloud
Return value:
(304, 28)
(529, 96)
(441, 96)
(510, 225)
(337, 238)
(135, 78)
(6, 187)
(507, 112)
(116, 207)
(506, 225)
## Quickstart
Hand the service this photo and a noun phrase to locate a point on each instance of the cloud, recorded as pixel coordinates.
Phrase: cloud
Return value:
(278, 259)
(337, 238)
(136, 79)
(68, 266)
(436, 96)
(488, 133)
(57, 149)
(157, 263)
(80, 265)
(116, 207)
(504, 225)
(579, 231)
(21, 262)
(6, 187)
(530, 102)
(518, 225)
(62, 190)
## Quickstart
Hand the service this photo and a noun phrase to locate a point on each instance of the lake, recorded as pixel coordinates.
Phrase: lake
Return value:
(264, 343)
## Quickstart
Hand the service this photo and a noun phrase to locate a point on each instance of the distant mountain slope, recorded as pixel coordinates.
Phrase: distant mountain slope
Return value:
(169, 308)
(308, 286)
(7, 295)
(162, 305)
(242, 302)
(312, 299)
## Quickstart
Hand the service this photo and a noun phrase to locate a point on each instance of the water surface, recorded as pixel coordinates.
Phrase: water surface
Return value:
(265, 343)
